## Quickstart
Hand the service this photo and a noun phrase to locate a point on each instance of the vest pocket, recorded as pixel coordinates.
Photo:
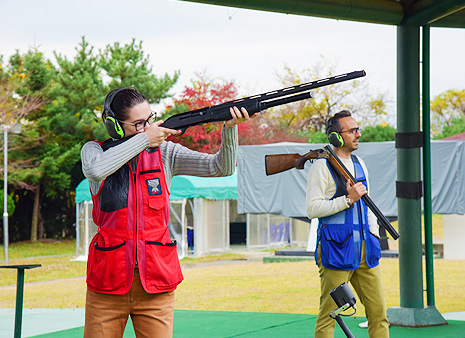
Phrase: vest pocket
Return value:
(337, 248)
(373, 250)
(163, 269)
(106, 265)
(154, 212)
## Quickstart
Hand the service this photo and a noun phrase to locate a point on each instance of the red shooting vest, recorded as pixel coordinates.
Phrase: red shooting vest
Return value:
(132, 213)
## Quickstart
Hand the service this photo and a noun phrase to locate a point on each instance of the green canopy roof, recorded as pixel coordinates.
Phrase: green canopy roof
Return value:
(212, 188)
(83, 192)
(437, 13)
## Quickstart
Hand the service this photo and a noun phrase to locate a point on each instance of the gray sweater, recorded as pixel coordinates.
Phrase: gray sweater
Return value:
(97, 165)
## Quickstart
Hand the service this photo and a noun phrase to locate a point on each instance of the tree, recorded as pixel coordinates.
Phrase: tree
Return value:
(456, 126)
(207, 92)
(80, 91)
(204, 92)
(127, 66)
(379, 133)
(20, 98)
(309, 116)
(10, 203)
(446, 110)
(49, 160)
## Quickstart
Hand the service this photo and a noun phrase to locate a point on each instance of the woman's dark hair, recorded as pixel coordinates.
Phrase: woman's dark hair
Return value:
(124, 100)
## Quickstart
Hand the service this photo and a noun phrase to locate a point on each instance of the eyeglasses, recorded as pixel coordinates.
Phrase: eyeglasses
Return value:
(141, 125)
(352, 130)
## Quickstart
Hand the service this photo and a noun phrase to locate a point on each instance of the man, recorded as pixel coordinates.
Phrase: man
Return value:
(348, 248)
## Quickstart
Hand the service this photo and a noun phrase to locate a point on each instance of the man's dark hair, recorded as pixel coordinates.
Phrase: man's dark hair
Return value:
(333, 123)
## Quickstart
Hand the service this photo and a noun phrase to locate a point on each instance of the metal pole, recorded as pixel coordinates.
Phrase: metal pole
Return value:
(78, 236)
(409, 166)
(428, 213)
(86, 228)
(5, 192)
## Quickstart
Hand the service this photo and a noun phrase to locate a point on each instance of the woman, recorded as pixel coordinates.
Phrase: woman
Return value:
(133, 267)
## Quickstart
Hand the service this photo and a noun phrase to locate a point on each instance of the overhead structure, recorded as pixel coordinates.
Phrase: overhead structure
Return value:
(436, 13)
(413, 19)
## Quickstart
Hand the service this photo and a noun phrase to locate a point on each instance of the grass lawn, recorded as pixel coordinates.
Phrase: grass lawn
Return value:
(291, 287)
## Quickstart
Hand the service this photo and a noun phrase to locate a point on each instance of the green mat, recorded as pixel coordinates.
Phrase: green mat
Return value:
(211, 324)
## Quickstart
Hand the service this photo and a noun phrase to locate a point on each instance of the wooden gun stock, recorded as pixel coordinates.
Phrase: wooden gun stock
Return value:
(275, 164)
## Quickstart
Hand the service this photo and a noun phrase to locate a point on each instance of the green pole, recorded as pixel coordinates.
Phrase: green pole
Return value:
(19, 293)
(19, 302)
(427, 207)
(408, 166)
(412, 311)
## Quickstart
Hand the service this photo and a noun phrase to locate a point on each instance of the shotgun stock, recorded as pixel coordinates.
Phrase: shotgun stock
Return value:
(278, 163)
(275, 164)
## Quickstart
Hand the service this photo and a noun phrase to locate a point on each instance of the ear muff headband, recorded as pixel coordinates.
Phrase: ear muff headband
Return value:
(112, 125)
(333, 136)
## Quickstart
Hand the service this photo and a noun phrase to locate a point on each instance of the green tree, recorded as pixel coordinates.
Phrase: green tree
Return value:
(38, 75)
(318, 137)
(48, 161)
(447, 109)
(456, 126)
(10, 203)
(378, 133)
(127, 66)
(74, 113)
(20, 98)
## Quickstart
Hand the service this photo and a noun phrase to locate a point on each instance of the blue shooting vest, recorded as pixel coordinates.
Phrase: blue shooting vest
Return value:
(341, 235)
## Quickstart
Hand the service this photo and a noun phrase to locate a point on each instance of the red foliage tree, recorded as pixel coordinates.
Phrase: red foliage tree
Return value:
(204, 93)
(207, 137)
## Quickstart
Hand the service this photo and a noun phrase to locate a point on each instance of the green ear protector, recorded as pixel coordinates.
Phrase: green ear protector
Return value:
(111, 123)
(333, 135)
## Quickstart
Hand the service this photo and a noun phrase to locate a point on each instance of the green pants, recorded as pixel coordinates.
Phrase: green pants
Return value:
(367, 284)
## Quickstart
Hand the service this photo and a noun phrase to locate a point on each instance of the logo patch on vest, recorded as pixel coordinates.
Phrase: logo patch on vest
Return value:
(153, 186)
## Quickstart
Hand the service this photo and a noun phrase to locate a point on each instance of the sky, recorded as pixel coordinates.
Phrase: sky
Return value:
(245, 46)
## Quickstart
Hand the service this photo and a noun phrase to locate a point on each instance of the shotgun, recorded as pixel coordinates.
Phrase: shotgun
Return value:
(253, 104)
(278, 163)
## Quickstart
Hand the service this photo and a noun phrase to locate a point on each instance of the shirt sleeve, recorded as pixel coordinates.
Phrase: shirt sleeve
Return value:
(97, 164)
(179, 160)
(320, 188)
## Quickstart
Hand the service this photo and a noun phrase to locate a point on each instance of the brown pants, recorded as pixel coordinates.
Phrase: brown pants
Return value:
(151, 314)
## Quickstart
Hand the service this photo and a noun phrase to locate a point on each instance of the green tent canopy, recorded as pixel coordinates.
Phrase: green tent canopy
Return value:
(212, 188)
(83, 192)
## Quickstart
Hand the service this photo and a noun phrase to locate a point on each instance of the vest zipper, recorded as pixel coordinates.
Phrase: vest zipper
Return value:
(360, 216)
(134, 178)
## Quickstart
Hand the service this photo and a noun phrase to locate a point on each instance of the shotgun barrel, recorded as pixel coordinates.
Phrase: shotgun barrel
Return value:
(255, 103)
